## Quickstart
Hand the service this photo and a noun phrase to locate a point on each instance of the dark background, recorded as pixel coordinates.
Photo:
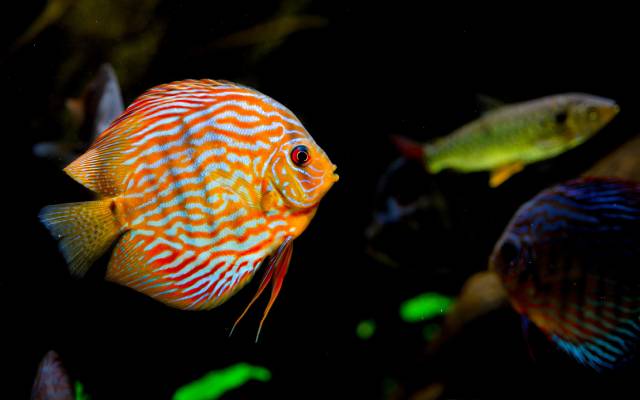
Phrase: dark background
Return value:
(373, 70)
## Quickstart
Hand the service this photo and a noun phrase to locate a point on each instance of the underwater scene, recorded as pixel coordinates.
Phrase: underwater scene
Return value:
(310, 199)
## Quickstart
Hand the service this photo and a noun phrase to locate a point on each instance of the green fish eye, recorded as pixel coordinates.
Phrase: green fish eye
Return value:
(592, 113)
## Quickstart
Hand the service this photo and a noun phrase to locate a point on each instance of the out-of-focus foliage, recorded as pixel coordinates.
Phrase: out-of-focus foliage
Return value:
(216, 383)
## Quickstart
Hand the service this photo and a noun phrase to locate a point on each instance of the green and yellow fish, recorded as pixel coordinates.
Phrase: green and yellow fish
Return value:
(507, 138)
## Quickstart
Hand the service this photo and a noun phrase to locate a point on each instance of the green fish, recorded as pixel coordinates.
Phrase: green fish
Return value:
(507, 138)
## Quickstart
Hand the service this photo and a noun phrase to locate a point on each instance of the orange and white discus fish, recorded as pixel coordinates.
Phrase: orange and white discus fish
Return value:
(199, 182)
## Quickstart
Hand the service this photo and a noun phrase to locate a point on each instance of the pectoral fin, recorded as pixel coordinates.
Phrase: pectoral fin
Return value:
(269, 200)
(504, 172)
(276, 271)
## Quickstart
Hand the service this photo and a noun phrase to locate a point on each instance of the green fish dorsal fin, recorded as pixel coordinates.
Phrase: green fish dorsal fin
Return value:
(488, 103)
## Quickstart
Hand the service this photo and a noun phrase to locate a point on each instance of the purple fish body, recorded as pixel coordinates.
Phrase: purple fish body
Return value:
(570, 261)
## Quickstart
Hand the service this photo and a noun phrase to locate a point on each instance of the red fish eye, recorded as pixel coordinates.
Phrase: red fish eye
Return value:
(300, 155)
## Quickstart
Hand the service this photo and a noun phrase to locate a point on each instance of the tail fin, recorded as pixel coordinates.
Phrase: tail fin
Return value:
(85, 230)
(409, 148)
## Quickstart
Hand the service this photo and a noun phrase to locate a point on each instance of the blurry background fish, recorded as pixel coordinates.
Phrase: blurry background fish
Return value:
(90, 114)
(483, 292)
(568, 260)
(265, 36)
(505, 139)
(410, 206)
(53, 383)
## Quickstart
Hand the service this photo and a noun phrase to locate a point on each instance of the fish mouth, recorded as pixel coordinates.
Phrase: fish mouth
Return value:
(609, 112)
(616, 108)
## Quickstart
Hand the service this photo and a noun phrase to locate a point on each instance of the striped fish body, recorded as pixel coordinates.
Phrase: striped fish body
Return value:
(569, 261)
(201, 181)
(521, 133)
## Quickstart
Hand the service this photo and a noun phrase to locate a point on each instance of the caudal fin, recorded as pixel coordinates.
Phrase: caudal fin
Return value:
(85, 230)
(409, 148)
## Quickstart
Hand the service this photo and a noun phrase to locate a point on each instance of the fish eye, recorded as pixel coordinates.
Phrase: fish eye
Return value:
(509, 252)
(300, 155)
(561, 117)
(592, 113)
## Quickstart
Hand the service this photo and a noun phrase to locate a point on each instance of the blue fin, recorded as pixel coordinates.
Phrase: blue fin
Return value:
(586, 354)
(609, 351)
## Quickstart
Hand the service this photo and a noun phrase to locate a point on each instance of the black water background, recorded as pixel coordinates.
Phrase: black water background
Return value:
(374, 70)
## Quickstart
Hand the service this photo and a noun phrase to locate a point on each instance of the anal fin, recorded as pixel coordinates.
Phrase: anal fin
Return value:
(183, 278)
(504, 172)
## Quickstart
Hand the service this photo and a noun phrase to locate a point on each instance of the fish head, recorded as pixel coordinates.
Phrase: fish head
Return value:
(585, 115)
(509, 257)
(301, 172)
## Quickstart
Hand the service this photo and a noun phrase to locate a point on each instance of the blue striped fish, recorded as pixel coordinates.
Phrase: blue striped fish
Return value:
(570, 260)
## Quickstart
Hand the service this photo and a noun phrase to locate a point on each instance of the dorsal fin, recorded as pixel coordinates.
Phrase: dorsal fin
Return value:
(100, 169)
(488, 103)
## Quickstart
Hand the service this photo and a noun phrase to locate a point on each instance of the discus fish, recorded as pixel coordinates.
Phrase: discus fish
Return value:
(569, 262)
(506, 139)
(52, 381)
(201, 180)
